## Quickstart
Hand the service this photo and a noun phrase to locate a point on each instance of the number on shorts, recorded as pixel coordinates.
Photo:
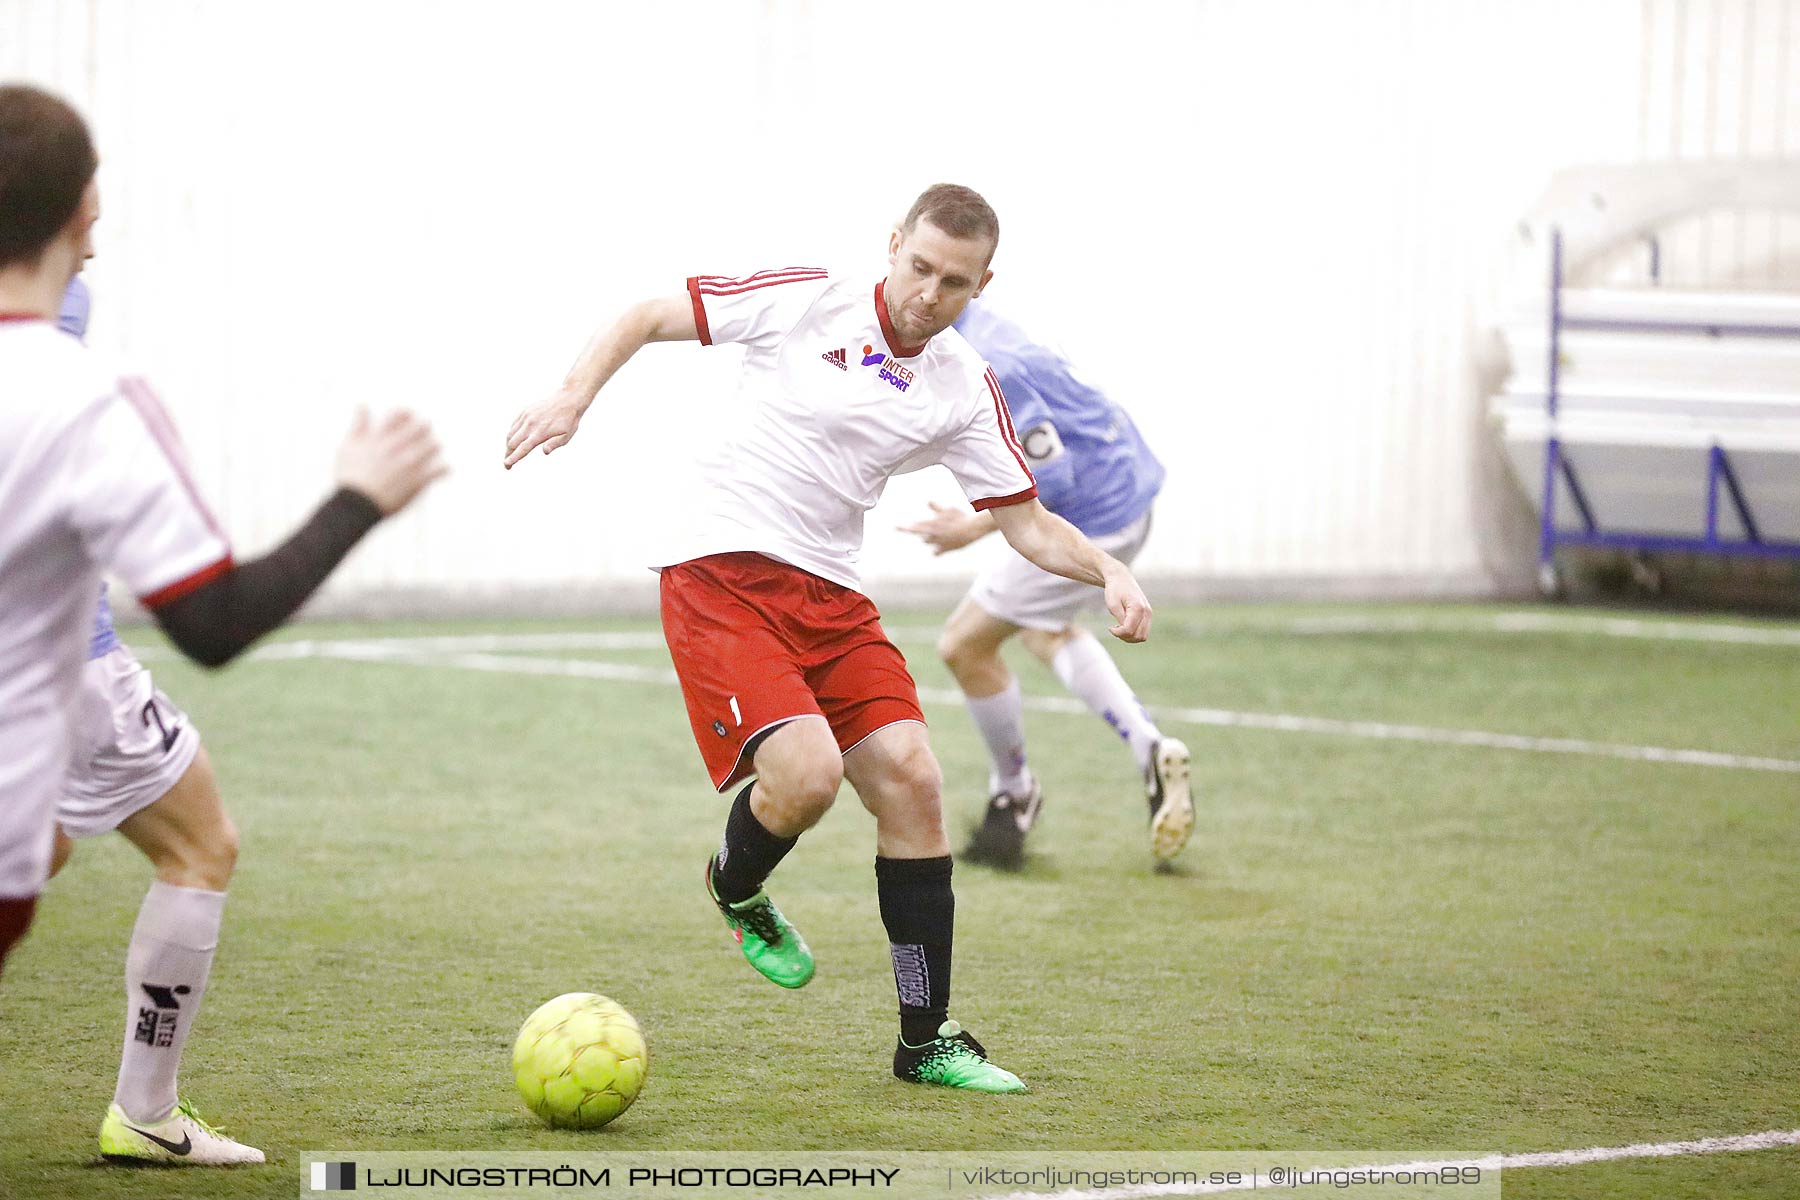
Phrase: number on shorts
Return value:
(735, 712)
(153, 713)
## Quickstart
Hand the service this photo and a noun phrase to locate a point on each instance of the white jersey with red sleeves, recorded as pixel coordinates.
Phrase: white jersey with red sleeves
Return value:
(91, 480)
(834, 407)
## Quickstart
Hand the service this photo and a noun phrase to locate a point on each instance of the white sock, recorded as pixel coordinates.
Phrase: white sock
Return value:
(1089, 672)
(165, 978)
(1001, 720)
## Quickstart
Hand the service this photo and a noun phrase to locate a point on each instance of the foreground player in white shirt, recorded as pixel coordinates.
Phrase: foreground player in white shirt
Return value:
(93, 477)
(143, 772)
(786, 671)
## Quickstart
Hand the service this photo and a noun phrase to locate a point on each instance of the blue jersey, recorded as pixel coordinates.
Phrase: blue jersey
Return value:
(1092, 466)
(73, 320)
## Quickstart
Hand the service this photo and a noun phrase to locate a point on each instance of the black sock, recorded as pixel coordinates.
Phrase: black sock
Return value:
(748, 853)
(919, 910)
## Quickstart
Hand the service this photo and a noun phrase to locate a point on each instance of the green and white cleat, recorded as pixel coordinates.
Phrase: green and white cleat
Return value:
(1171, 801)
(182, 1140)
(953, 1059)
(770, 944)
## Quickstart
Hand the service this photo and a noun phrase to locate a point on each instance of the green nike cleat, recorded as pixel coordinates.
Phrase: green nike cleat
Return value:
(182, 1139)
(953, 1059)
(771, 945)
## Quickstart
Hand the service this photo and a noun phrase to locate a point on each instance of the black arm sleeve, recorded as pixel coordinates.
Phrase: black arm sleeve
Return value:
(216, 621)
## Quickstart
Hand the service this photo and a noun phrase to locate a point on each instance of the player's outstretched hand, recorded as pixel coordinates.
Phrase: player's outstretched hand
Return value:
(390, 461)
(1126, 601)
(947, 528)
(550, 425)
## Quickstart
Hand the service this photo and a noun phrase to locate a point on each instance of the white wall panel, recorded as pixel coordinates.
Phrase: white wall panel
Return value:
(1275, 228)
(1722, 82)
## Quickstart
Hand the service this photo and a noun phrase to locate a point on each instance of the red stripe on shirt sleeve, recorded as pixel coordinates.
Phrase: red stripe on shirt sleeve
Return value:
(1029, 493)
(182, 587)
(737, 287)
(156, 418)
(699, 310)
(1006, 431)
(728, 281)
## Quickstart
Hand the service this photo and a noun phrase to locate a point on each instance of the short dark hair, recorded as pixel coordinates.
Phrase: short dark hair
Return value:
(958, 211)
(46, 163)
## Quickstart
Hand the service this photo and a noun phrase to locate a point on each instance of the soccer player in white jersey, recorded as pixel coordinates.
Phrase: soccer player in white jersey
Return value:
(149, 778)
(1094, 469)
(786, 671)
(93, 478)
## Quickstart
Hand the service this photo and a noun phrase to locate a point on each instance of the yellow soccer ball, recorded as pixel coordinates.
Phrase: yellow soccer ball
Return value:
(580, 1061)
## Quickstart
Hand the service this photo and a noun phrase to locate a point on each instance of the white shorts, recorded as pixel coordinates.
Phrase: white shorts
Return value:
(132, 746)
(1025, 594)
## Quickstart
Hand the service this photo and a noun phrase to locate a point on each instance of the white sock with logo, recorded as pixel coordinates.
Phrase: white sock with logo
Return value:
(1089, 672)
(166, 967)
(1001, 720)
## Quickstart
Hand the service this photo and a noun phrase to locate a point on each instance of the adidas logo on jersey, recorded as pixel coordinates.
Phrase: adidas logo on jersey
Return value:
(836, 358)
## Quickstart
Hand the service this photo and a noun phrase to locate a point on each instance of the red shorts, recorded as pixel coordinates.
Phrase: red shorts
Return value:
(757, 643)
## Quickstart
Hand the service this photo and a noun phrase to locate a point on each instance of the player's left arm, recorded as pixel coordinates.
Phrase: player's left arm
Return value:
(1058, 547)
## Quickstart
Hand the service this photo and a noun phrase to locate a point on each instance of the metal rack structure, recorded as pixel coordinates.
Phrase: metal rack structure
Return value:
(1720, 476)
(1660, 418)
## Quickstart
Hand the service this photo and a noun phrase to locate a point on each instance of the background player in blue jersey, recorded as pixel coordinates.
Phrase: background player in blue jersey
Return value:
(1093, 470)
(140, 769)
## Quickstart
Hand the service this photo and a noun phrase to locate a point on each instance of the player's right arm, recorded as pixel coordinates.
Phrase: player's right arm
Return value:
(553, 422)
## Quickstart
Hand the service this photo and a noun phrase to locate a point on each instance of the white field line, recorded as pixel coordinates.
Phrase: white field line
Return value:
(399, 651)
(1383, 731)
(1770, 1140)
(328, 647)
(649, 639)
(1507, 623)
(1503, 622)
(1327, 624)
(573, 668)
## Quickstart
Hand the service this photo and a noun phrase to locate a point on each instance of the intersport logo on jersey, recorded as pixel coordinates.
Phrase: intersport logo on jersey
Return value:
(892, 373)
(896, 375)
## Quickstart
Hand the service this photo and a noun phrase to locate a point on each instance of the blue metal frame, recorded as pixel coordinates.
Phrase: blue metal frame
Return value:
(1718, 464)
